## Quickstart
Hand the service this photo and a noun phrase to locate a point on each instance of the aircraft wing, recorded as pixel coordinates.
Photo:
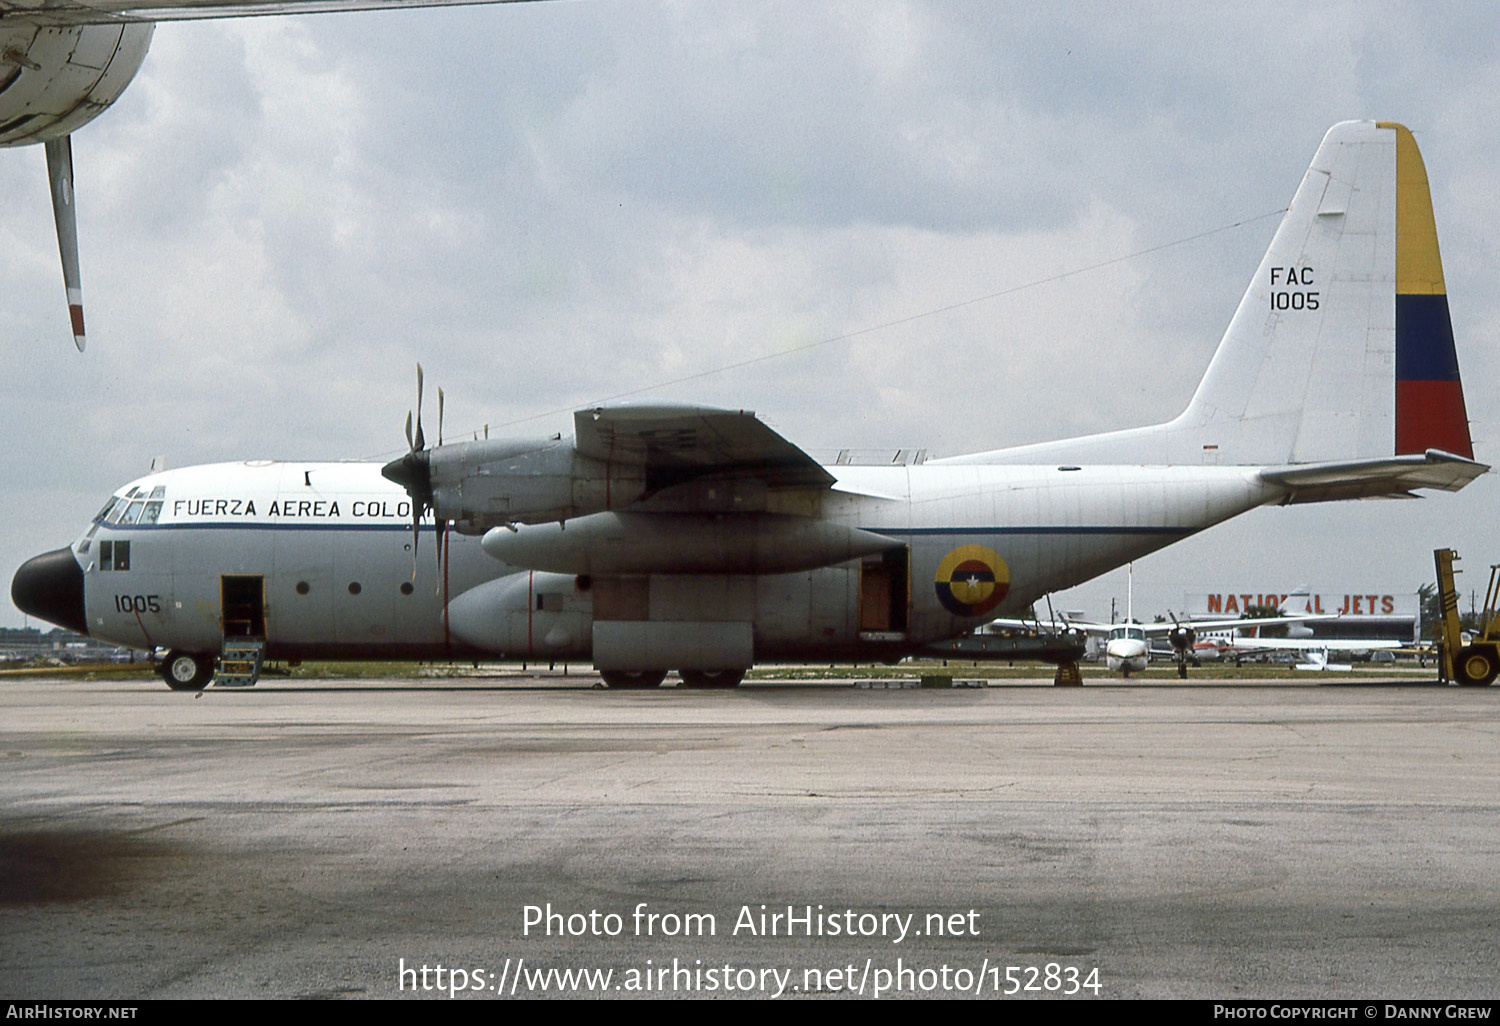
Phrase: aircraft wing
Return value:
(1052, 626)
(96, 12)
(680, 443)
(1160, 629)
(1246, 623)
(1312, 644)
(1390, 477)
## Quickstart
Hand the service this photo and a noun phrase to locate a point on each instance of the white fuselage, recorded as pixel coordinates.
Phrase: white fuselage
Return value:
(1127, 650)
(331, 545)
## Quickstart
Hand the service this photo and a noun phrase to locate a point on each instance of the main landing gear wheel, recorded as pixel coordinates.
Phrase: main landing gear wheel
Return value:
(187, 671)
(711, 678)
(633, 678)
(1475, 667)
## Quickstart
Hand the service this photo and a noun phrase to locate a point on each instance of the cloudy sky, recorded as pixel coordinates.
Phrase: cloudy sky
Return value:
(551, 205)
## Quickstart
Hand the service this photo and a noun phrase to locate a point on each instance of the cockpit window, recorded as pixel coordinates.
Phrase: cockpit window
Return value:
(133, 507)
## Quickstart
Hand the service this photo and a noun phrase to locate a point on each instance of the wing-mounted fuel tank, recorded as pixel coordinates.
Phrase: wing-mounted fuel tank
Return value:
(682, 543)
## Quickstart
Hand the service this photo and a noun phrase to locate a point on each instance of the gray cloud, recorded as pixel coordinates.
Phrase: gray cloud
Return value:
(548, 205)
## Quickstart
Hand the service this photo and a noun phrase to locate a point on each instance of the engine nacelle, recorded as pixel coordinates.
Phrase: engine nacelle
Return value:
(56, 80)
(479, 485)
(1182, 638)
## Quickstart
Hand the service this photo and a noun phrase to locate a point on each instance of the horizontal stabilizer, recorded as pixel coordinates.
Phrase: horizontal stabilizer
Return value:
(1393, 477)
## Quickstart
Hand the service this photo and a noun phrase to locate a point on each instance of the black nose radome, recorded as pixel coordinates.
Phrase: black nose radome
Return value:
(50, 587)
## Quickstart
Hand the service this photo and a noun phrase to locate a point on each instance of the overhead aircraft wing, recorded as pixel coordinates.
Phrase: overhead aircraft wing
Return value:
(680, 443)
(98, 12)
(1390, 477)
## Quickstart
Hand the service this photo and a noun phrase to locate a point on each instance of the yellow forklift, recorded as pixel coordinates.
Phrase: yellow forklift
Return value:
(1478, 662)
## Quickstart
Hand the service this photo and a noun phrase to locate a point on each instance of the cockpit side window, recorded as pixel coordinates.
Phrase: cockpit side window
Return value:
(114, 555)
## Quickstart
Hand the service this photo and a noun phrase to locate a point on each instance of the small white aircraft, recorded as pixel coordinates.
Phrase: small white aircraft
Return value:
(1127, 646)
(1314, 652)
(666, 538)
(64, 62)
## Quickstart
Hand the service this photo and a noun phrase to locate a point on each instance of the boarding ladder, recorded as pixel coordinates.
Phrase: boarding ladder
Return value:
(240, 662)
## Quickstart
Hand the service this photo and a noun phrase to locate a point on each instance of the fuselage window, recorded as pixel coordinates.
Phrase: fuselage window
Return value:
(114, 555)
(303, 587)
(354, 587)
(406, 588)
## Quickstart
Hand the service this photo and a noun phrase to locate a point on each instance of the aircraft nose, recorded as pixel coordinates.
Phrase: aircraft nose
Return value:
(50, 587)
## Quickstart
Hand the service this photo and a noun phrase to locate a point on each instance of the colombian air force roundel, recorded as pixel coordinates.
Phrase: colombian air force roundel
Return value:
(972, 580)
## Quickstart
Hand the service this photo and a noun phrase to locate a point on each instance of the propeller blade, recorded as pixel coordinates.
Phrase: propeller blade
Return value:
(409, 443)
(440, 416)
(60, 177)
(421, 442)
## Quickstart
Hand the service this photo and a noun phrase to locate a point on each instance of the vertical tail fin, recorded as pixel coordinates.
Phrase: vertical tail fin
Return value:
(1342, 346)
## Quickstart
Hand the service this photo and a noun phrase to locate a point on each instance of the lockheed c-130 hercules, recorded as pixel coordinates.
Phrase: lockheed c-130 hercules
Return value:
(664, 538)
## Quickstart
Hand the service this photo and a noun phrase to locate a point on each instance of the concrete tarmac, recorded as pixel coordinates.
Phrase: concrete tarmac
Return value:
(316, 839)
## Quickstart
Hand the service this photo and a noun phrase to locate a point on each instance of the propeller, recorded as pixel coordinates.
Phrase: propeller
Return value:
(1182, 636)
(413, 472)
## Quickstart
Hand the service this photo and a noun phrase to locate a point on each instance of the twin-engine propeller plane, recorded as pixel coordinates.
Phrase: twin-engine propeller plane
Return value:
(63, 62)
(1127, 646)
(699, 540)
